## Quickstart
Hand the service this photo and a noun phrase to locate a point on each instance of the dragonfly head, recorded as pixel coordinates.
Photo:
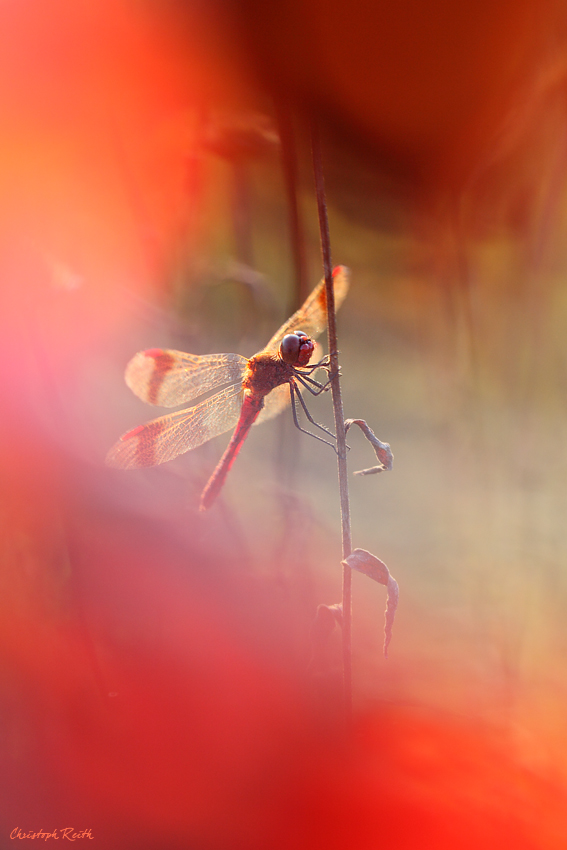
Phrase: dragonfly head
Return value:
(296, 349)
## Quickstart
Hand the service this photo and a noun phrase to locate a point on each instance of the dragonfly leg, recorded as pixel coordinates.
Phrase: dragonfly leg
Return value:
(310, 418)
(320, 387)
(306, 373)
(303, 379)
(321, 364)
(294, 390)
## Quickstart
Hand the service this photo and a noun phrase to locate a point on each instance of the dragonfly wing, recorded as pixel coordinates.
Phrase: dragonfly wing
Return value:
(312, 316)
(168, 378)
(165, 438)
(276, 401)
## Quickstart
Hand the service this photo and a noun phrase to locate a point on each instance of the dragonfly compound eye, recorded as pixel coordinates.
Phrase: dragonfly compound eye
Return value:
(300, 333)
(289, 348)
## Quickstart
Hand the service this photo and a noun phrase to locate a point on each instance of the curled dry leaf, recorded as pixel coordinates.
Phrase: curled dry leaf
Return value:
(325, 620)
(382, 450)
(373, 567)
(327, 617)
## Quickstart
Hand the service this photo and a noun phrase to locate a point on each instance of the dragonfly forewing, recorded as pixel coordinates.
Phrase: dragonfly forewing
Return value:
(311, 318)
(168, 378)
(163, 439)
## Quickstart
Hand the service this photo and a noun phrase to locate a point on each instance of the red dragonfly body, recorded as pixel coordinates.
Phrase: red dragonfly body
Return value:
(258, 388)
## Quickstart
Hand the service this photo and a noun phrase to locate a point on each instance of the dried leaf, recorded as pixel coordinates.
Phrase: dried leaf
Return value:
(325, 620)
(327, 617)
(382, 450)
(373, 567)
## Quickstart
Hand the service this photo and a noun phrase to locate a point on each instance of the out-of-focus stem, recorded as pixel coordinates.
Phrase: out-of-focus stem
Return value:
(289, 169)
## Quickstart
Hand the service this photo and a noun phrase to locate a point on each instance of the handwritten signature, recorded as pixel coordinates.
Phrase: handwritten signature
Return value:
(68, 833)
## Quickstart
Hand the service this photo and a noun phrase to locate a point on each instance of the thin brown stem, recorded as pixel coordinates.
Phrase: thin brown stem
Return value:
(339, 417)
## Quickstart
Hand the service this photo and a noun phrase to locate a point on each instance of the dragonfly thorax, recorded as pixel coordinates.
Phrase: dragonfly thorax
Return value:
(264, 372)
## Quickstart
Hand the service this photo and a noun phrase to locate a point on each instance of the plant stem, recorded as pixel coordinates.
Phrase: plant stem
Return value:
(339, 417)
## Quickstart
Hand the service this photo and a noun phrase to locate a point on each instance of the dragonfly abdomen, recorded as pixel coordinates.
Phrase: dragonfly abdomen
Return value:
(251, 407)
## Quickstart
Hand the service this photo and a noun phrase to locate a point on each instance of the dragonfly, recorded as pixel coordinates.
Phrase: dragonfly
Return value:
(254, 390)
